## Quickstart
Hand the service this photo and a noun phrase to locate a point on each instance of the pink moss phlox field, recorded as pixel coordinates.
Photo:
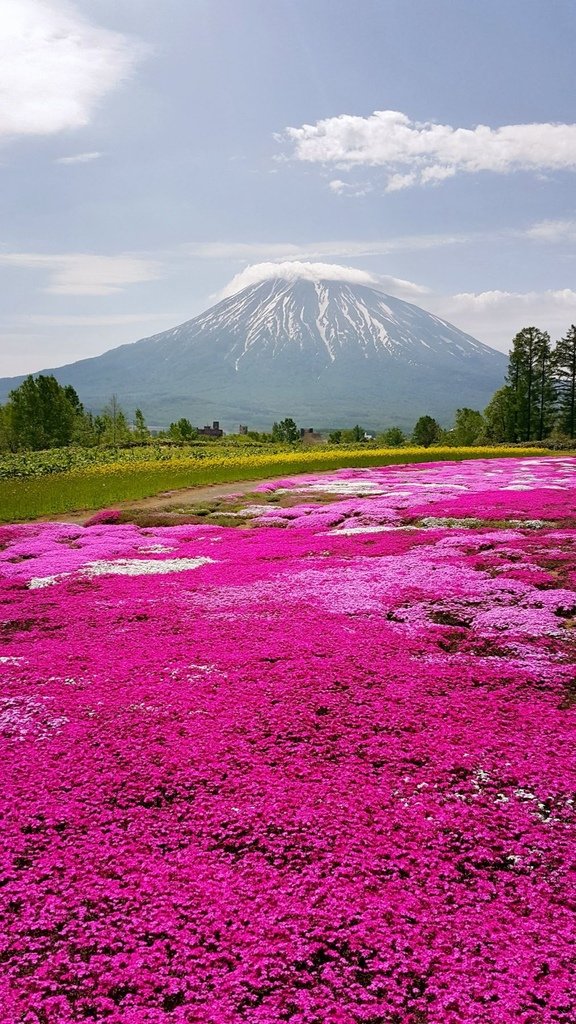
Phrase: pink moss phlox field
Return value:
(322, 774)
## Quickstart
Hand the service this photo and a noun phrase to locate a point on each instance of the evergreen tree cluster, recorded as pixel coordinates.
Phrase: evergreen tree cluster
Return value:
(539, 395)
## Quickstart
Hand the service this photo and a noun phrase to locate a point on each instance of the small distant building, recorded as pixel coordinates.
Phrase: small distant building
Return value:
(242, 429)
(310, 436)
(213, 431)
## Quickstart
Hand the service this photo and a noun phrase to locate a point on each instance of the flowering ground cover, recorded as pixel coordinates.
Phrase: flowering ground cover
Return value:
(319, 770)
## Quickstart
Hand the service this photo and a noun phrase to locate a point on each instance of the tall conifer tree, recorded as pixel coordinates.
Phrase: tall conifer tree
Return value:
(565, 376)
(530, 379)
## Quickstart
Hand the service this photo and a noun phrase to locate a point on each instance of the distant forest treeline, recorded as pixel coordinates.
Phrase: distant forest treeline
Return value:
(536, 403)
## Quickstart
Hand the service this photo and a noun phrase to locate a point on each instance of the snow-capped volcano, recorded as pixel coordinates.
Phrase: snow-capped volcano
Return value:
(326, 351)
(329, 319)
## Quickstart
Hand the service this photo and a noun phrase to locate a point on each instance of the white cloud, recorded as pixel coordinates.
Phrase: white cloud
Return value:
(415, 152)
(496, 316)
(78, 158)
(397, 182)
(344, 188)
(553, 231)
(84, 273)
(56, 66)
(93, 320)
(318, 250)
(296, 270)
(401, 288)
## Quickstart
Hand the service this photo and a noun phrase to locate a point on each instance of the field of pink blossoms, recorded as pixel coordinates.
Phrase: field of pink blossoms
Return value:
(322, 774)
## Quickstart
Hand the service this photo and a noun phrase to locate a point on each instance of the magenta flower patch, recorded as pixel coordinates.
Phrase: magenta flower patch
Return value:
(322, 774)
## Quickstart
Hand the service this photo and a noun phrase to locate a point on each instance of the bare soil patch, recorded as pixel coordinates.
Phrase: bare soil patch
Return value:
(218, 504)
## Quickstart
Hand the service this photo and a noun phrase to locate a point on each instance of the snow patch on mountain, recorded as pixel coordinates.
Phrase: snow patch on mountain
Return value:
(326, 318)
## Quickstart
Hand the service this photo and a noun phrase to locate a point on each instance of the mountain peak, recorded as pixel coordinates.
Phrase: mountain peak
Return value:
(329, 318)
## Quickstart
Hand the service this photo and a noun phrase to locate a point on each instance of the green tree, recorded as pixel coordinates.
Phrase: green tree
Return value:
(426, 431)
(141, 432)
(84, 433)
(182, 430)
(393, 437)
(72, 397)
(530, 375)
(112, 425)
(468, 427)
(500, 416)
(564, 368)
(335, 436)
(354, 435)
(42, 413)
(285, 431)
(5, 428)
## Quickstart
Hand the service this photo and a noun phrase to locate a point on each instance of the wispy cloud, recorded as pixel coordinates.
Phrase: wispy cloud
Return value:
(92, 319)
(502, 300)
(422, 153)
(85, 273)
(78, 158)
(496, 316)
(317, 250)
(344, 188)
(56, 66)
(553, 231)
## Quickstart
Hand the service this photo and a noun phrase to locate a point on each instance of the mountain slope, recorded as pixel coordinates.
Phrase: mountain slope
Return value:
(326, 352)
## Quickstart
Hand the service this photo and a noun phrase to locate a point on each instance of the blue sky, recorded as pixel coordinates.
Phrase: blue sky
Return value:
(150, 152)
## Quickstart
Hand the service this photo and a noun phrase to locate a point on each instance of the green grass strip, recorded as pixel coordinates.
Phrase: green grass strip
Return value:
(98, 487)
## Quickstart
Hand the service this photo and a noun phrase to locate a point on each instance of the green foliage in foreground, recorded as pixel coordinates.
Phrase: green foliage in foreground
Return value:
(96, 487)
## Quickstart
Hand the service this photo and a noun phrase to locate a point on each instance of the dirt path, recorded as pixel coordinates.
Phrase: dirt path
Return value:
(167, 500)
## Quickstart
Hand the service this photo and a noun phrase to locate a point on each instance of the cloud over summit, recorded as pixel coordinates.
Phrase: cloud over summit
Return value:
(295, 270)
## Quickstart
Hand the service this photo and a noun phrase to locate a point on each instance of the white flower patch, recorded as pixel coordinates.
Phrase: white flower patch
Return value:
(429, 522)
(250, 510)
(445, 485)
(38, 582)
(397, 494)
(142, 566)
(11, 661)
(346, 487)
(155, 549)
(530, 524)
(348, 531)
(21, 717)
(124, 567)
